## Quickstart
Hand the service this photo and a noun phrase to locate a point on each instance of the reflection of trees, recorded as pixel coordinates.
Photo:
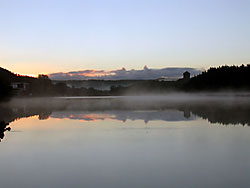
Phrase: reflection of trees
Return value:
(44, 115)
(3, 128)
(223, 114)
(215, 111)
(9, 115)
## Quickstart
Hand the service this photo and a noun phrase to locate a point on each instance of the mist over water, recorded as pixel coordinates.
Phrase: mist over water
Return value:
(178, 140)
(218, 108)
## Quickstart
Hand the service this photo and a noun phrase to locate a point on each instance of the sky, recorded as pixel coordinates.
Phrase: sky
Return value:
(50, 36)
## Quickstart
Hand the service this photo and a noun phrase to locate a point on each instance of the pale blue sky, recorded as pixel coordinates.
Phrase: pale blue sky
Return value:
(57, 35)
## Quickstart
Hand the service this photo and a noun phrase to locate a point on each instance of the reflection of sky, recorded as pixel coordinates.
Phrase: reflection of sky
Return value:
(170, 115)
(69, 153)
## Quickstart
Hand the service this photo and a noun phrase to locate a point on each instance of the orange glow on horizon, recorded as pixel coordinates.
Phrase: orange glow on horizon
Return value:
(90, 117)
(91, 73)
(30, 75)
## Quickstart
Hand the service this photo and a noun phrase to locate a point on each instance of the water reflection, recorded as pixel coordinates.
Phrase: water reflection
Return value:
(84, 143)
(146, 116)
(234, 112)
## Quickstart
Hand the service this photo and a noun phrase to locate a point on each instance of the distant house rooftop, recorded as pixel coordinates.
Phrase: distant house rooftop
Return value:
(186, 75)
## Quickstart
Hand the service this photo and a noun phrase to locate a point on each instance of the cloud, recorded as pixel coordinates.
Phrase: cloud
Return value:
(123, 74)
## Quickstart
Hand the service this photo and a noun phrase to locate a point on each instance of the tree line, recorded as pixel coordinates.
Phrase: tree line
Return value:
(235, 78)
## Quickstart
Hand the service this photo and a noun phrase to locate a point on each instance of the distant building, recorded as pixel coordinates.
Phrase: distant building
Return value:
(20, 86)
(186, 75)
(165, 79)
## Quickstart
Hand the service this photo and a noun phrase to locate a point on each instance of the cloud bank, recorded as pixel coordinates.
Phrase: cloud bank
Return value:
(123, 74)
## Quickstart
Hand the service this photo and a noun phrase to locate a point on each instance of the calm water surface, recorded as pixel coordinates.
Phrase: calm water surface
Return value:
(119, 142)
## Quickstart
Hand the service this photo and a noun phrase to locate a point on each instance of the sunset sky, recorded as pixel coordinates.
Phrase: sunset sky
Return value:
(50, 36)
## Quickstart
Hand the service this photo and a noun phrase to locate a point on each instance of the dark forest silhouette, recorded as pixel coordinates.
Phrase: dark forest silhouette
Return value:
(37, 87)
(225, 77)
(235, 78)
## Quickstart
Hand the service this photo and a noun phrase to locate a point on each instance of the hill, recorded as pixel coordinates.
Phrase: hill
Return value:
(222, 78)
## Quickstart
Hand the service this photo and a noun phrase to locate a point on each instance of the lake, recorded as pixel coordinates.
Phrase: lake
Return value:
(138, 141)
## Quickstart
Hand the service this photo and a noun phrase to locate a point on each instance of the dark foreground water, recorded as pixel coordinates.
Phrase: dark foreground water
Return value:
(126, 142)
